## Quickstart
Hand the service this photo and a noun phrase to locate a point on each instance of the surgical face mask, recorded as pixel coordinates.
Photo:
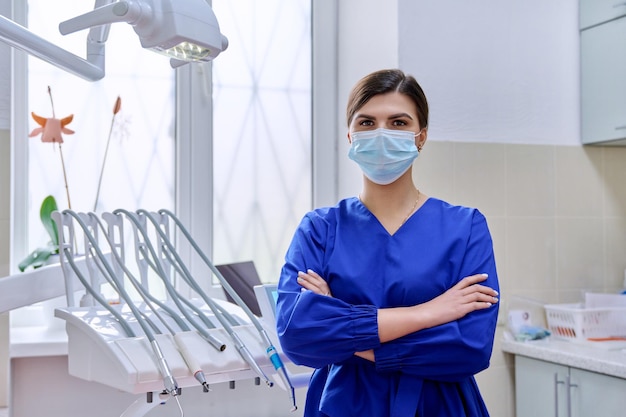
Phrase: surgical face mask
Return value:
(383, 154)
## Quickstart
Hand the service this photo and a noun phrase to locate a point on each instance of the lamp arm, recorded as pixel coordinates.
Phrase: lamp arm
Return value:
(19, 37)
(121, 11)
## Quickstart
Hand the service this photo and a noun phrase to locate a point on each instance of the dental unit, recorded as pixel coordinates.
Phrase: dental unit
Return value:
(144, 343)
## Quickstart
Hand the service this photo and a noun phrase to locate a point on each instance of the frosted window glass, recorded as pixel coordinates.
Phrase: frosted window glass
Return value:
(262, 130)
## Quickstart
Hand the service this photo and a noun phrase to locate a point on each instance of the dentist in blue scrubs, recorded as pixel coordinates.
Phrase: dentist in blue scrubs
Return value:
(391, 295)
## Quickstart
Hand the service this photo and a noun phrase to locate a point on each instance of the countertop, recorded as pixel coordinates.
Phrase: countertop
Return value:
(608, 358)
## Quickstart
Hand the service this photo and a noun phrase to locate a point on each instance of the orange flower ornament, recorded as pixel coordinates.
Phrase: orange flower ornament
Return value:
(51, 128)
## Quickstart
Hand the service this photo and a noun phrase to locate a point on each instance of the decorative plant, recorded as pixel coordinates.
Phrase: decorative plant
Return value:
(50, 130)
(116, 108)
(40, 256)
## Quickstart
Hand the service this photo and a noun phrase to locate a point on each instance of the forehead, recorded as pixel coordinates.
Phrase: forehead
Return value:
(388, 103)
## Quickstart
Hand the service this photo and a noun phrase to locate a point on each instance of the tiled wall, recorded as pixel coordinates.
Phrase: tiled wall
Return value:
(4, 258)
(558, 219)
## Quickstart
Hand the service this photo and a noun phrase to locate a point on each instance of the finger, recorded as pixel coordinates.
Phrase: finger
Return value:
(471, 280)
(483, 289)
(309, 282)
(310, 279)
(316, 278)
(482, 298)
(314, 274)
(308, 286)
(482, 305)
(304, 279)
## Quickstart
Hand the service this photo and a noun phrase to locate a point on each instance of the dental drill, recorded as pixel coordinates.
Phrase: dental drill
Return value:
(271, 351)
(169, 382)
(242, 349)
(190, 360)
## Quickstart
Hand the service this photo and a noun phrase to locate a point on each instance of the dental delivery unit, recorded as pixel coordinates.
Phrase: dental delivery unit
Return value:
(139, 342)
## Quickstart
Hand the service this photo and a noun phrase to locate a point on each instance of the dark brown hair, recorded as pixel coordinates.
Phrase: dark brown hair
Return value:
(387, 81)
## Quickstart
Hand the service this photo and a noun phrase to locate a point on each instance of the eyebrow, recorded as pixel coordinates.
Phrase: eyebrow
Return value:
(393, 116)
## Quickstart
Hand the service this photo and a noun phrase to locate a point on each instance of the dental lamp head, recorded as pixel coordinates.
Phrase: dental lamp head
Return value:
(184, 30)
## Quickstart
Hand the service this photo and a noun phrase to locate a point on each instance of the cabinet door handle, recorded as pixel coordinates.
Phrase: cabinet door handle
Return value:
(556, 394)
(568, 393)
(620, 127)
(619, 4)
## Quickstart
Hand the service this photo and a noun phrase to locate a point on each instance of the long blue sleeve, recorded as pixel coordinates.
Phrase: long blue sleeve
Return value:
(316, 330)
(429, 372)
(459, 349)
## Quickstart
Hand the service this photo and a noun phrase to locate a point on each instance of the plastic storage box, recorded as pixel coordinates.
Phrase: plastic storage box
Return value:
(575, 323)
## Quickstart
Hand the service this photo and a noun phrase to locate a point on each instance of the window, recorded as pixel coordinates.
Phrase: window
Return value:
(261, 130)
(139, 168)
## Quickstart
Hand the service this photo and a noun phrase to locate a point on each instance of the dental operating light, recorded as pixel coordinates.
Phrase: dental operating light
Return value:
(184, 30)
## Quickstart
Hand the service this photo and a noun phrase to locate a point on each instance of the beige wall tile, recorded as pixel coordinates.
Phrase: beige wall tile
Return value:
(530, 249)
(480, 176)
(580, 256)
(578, 182)
(530, 180)
(515, 298)
(496, 385)
(432, 171)
(497, 228)
(614, 181)
(615, 261)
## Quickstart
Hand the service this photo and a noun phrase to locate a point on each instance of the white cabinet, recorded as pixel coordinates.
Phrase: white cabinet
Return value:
(538, 392)
(603, 71)
(546, 389)
(597, 395)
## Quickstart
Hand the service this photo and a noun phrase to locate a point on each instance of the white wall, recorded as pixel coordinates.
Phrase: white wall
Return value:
(367, 41)
(495, 71)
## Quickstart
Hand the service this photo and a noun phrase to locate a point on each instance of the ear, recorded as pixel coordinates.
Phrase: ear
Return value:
(420, 139)
(349, 138)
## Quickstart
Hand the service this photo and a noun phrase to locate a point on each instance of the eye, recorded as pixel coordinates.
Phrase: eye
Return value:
(399, 123)
(366, 122)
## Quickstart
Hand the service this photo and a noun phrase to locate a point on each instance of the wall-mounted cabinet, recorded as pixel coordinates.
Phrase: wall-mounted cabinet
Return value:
(603, 71)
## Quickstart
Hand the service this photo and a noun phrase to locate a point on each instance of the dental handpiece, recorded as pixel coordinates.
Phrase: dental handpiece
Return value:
(275, 359)
(192, 363)
(247, 356)
(168, 379)
(272, 353)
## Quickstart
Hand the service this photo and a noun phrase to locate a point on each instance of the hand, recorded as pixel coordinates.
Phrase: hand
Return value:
(310, 280)
(463, 298)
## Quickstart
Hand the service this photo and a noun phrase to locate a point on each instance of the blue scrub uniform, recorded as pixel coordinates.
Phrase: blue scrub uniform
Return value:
(428, 373)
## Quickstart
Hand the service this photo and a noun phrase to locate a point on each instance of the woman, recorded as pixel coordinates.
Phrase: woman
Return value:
(390, 295)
